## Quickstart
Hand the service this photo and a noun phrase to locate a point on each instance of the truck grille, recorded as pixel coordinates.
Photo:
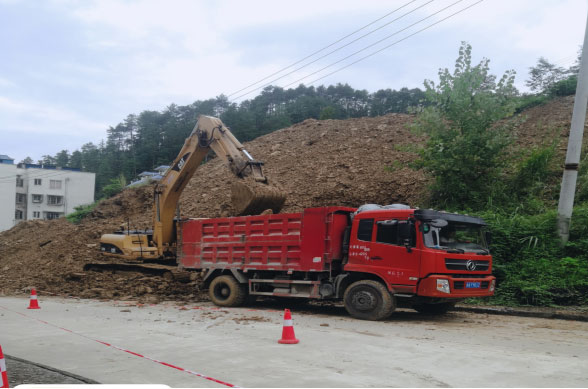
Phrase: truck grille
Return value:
(462, 264)
(469, 275)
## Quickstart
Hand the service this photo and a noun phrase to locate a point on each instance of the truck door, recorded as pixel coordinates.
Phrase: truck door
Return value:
(393, 249)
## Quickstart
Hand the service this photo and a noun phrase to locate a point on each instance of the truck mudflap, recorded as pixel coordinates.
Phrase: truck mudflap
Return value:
(446, 286)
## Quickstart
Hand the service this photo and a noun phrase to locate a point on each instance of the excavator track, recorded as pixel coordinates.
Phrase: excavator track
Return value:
(169, 271)
(252, 198)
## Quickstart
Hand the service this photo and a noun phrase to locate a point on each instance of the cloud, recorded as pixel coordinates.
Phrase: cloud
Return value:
(36, 118)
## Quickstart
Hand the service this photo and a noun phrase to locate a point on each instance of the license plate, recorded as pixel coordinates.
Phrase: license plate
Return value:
(472, 285)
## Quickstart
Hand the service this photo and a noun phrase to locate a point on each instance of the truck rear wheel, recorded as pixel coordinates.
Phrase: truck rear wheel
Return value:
(369, 300)
(433, 309)
(227, 292)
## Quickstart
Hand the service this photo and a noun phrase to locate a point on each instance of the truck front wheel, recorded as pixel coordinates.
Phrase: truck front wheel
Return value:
(225, 291)
(369, 300)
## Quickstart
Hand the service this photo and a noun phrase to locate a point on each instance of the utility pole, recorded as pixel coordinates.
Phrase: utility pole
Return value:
(568, 183)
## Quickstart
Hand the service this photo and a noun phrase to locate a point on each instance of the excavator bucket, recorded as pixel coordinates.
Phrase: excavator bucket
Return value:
(252, 198)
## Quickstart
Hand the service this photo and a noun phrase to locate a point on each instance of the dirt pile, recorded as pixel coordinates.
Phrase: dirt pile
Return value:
(50, 255)
(546, 124)
(327, 162)
(318, 163)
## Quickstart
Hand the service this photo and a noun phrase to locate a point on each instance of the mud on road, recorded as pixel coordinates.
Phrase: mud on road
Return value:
(239, 345)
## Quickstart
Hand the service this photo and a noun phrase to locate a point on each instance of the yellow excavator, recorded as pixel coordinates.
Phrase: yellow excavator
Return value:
(250, 193)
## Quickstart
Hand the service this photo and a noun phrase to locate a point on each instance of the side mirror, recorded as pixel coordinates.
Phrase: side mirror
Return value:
(406, 243)
(405, 234)
(488, 238)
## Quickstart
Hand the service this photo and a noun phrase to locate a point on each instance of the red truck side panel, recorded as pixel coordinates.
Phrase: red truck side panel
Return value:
(305, 241)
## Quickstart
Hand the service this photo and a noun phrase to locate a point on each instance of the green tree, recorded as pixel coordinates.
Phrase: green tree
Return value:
(115, 186)
(47, 160)
(75, 160)
(90, 157)
(466, 150)
(27, 160)
(544, 75)
(327, 113)
(62, 158)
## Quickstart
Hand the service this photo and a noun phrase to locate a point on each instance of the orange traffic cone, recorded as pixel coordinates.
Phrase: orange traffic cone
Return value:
(288, 336)
(34, 304)
(4, 379)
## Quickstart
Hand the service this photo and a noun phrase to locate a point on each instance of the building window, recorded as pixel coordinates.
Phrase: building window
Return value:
(18, 214)
(37, 198)
(54, 184)
(19, 182)
(37, 181)
(54, 200)
(52, 215)
(21, 198)
(36, 214)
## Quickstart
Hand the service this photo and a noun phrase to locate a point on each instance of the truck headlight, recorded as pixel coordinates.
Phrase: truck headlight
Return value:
(443, 286)
(492, 285)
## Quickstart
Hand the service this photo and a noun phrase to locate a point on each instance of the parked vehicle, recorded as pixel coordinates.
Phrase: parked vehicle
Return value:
(373, 258)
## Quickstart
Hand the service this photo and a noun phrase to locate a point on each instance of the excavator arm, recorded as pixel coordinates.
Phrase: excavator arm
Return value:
(211, 134)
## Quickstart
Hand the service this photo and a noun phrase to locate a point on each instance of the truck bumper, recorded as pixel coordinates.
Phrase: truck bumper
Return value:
(445, 286)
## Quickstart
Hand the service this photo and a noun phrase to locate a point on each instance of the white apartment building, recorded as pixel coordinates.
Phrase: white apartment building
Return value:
(29, 191)
(7, 192)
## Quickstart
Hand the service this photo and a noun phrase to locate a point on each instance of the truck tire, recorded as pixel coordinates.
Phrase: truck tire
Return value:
(225, 291)
(433, 309)
(369, 300)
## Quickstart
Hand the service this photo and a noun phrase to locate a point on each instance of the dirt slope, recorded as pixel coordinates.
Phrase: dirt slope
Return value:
(330, 162)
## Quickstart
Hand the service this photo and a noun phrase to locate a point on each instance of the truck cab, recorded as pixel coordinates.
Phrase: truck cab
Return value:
(431, 259)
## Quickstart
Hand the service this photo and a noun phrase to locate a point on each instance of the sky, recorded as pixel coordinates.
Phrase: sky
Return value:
(71, 69)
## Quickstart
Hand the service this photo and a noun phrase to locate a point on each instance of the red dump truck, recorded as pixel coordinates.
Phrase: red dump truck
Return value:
(373, 258)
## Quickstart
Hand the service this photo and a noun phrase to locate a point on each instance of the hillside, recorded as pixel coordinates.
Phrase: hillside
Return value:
(330, 162)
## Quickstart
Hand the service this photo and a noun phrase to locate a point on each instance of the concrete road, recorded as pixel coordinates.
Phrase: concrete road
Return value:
(239, 346)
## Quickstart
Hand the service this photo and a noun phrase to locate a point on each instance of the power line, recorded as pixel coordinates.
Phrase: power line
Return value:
(566, 62)
(566, 59)
(333, 51)
(367, 47)
(398, 41)
(324, 48)
(374, 44)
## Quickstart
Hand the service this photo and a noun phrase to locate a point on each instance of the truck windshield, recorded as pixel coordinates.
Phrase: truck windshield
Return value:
(456, 237)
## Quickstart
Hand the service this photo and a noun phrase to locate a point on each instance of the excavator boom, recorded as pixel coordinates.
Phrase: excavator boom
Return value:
(250, 193)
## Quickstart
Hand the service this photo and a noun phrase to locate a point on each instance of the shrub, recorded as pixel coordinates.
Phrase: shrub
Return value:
(81, 211)
(564, 87)
(531, 266)
(115, 186)
(529, 101)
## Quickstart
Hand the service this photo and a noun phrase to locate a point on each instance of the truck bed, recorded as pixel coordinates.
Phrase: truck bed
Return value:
(307, 241)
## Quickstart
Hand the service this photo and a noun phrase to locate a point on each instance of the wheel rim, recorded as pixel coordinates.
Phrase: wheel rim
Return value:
(364, 300)
(222, 291)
